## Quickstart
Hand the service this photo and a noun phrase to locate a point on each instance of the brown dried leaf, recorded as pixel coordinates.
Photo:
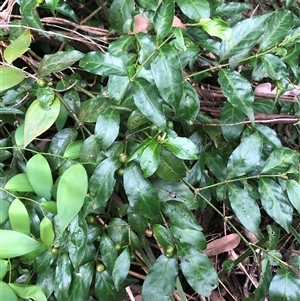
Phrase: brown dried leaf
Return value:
(177, 23)
(140, 24)
(215, 296)
(221, 245)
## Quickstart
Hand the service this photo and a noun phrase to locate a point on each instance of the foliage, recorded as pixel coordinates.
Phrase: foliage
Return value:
(108, 154)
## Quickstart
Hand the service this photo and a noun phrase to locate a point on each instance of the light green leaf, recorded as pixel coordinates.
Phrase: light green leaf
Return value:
(50, 206)
(276, 69)
(159, 284)
(38, 120)
(245, 208)
(182, 148)
(19, 183)
(195, 9)
(47, 232)
(10, 77)
(149, 159)
(121, 268)
(14, 244)
(28, 291)
(19, 46)
(58, 61)
(7, 293)
(275, 202)
(18, 217)
(197, 269)
(217, 28)
(39, 175)
(293, 192)
(238, 91)
(70, 195)
(245, 157)
(73, 149)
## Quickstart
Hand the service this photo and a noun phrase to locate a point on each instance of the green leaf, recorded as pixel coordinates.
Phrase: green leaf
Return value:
(14, 244)
(10, 77)
(39, 175)
(182, 148)
(135, 120)
(70, 195)
(167, 73)
(163, 18)
(107, 127)
(217, 28)
(19, 183)
(197, 269)
(4, 206)
(274, 66)
(108, 253)
(285, 286)
(147, 4)
(159, 284)
(238, 91)
(170, 168)
(279, 25)
(50, 206)
(180, 215)
(18, 217)
(293, 192)
(7, 293)
(102, 182)
(121, 15)
(149, 159)
(264, 281)
(195, 9)
(47, 232)
(19, 46)
(51, 4)
(38, 120)
(141, 195)
(121, 268)
(216, 165)
(281, 160)
(148, 101)
(275, 202)
(245, 157)
(28, 291)
(73, 149)
(58, 61)
(117, 87)
(163, 236)
(103, 64)
(63, 274)
(245, 208)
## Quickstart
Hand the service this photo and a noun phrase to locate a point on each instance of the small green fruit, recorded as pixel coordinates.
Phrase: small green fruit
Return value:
(90, 219)
(170, 125)
(120, 172)
(169, 251)
(123, 158)
(118, 246)
(41, 82)
(54, 251)
(100, 267)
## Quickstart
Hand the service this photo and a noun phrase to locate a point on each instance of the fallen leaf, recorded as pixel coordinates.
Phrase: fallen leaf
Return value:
(140, 24)
(177, 23)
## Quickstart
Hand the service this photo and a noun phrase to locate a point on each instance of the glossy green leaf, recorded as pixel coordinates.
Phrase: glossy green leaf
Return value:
(170, 168)
(136, 119)
(197, 269)
(274, 66)
(58, 61)
(91, 108)
(39, 175)
(217, 28)
(121, 268)
(102, 182)
(270, 138)
(17, 47)
(27, 8)
(149, 159)
(147, 4)
(163, 18)
(50, 206)
(141, 195)
(52, 4)
(103, 64)
(159, 284)
(117, 87)
(148, 101)
(7, 293)
(162, 236)
(14, 244)
(108, 253)
(137, 222)
(238, 91)
(230, 8)
(10, 77)
(285, 286)
(279, 25)
(70, 195)
(216, 165)
(275, 202)
(180, 215)
(4, 206)
(293, 192)
(147, 47)
(195, 9)
(245, 208)
(19, 183)
(38, 120)
(63, 274)
(28, 291)
(182, 148)
(47, 232)
(18, 217)
(167, 73)
(107, 127)
(245, 157)
(281, 160)
(121, 15)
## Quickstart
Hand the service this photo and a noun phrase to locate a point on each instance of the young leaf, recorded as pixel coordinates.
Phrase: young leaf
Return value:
(71, 191)
(7, 293)
(19, 183)
(10, 77)
(107, 127)
(150, 158)
(121, 268)
(293, 192)
(197, 269)
(182, 148)
(17, 47)
(245, 157)
(28, 291)
(73, 149)
(39, 175)
(159, 284)
(47, 232)
(141, 195)
(14, 244)
(245, 208)
(195, 9)
(217, 28)
(275, 202)
(38, 120)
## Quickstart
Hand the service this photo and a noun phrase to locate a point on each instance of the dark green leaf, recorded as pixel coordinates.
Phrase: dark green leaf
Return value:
(108, 252)
(195, 9)
(230, 8)
(147, 4)
(118, 230)
(162, 235)
(270, 138)
(159, 284)
(136, 119)
(121, 45)
(265, 280)
(293, 192)
(245, 157)
(121, 268)
(182, 148)
(4, 205)
(147, 46)
(275, 202)
(197, 269)
(117, 86)
(141, 195)
(216, 165)
(274, 66)
(63, 274)
(150, 158)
